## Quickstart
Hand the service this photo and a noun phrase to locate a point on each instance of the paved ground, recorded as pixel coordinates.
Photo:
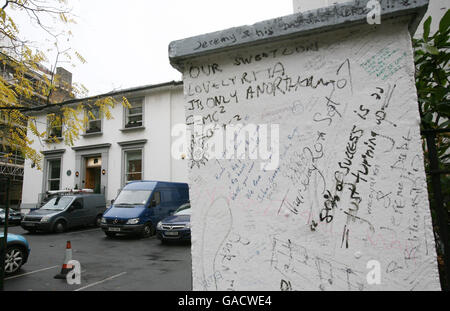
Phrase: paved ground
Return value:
(122, 263)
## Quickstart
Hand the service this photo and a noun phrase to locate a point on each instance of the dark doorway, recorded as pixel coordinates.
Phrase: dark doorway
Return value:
(93, 174)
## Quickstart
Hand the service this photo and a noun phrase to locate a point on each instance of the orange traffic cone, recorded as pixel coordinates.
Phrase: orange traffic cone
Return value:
(66, 267)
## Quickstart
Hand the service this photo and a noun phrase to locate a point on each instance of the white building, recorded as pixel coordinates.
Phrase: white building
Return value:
(135, 145)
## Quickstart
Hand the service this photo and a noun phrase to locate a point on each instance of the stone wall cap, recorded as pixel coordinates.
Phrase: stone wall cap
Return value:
(320, 20)
(53, 151)
(89, 147)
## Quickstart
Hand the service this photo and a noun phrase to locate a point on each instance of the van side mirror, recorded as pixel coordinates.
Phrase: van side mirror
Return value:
(112, 201)
(153, 202)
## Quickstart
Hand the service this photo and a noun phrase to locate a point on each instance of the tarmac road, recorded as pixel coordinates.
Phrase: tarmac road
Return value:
(122, 263)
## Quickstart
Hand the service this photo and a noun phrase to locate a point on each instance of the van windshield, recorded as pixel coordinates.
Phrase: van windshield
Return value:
(58, 203)
(129, 198)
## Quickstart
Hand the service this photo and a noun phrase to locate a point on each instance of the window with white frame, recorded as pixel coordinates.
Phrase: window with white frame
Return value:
(94, 124)
(134, 116)
(133, 165)
(54, 126)
(53, 174)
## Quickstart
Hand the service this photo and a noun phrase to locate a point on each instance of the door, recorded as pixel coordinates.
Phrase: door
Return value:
(93, 174)
(93, 179)
(91, 209)
(155, 206)
(169, 201)
(76, 213)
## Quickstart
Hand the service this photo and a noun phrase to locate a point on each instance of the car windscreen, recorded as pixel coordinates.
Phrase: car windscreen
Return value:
(183, 207)
(183, 212)
(129, 198)
(58, 203)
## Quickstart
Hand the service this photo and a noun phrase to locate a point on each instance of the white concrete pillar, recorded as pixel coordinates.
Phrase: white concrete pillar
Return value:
(336, 198)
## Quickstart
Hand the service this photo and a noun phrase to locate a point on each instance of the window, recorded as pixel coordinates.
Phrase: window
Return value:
(134, 115)
(78, 203)
(54, 126)
(128, 198)
(53, 174)
(157, 198)
(95, 122)
(133, 165)
(58, 203)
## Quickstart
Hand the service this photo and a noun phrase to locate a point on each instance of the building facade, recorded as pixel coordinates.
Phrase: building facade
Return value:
(134, 145)
(11, 158)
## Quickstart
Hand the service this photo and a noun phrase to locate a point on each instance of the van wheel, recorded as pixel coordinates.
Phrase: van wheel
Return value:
(110, 234)
(148, 230)
(98, 221)
(60, 227)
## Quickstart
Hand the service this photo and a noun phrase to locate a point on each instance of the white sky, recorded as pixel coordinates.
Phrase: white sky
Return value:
(126, 43)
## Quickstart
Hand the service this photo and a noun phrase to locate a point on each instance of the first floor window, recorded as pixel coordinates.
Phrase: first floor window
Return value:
(54, 126)
(133, 165)
(53, 174)
(134, 114)
(94, 120)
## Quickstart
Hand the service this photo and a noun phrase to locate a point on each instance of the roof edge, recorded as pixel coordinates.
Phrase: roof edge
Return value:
(110, 94)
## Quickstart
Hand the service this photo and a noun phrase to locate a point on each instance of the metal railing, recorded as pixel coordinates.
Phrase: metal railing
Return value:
(12, 164)
(46, 196)
(12, 158)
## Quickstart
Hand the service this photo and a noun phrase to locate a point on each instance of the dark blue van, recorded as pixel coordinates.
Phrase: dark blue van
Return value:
(141, 205)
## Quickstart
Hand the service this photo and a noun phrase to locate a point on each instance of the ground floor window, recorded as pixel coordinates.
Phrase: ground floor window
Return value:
(53, 174)
(133, 165)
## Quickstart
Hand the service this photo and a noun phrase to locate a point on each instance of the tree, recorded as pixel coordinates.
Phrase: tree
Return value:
(26, 85)
(433, 88)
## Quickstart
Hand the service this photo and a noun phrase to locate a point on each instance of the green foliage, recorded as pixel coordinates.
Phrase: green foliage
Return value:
(25, 82)
(432, 58)
(433, 84)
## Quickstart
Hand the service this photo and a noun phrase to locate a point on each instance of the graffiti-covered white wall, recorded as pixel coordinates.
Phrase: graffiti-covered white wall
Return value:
(329, 192)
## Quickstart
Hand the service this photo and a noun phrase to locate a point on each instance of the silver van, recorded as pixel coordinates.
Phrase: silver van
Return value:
(66, 211)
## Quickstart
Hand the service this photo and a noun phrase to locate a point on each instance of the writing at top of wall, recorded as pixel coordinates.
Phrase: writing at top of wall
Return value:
(328, 18)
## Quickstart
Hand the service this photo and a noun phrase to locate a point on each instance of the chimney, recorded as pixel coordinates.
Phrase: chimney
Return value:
(63, 83)
(64, 78)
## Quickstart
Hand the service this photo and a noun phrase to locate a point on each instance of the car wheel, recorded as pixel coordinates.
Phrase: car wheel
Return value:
(14, 259)
(98, 221)
(148, 230)
(60, 227)
(110, 234)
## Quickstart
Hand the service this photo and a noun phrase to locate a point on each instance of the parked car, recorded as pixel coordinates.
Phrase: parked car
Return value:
(14, 217)
(17, 252)
(177, 226)
(66, 211)
(141, 205)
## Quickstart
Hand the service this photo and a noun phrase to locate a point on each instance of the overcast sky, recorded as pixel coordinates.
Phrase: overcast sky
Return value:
(126, 43)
